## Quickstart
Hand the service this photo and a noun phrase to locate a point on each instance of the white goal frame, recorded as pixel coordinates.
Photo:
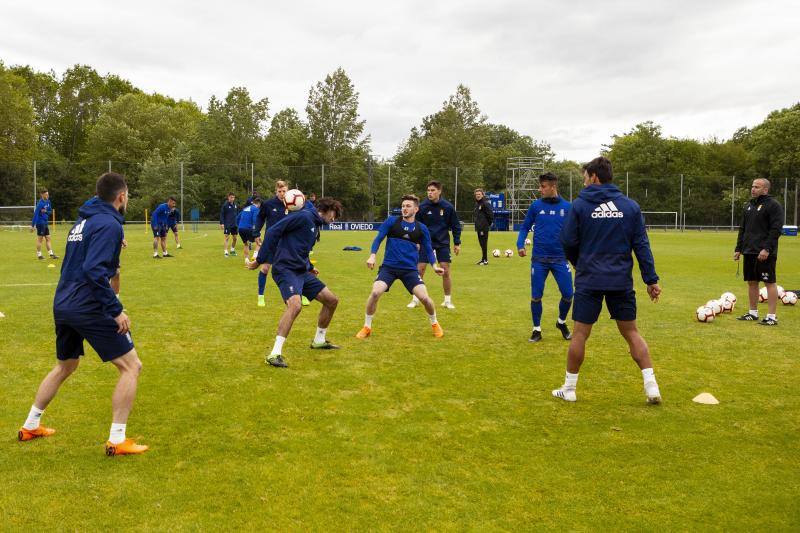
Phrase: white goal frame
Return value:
(661, 213)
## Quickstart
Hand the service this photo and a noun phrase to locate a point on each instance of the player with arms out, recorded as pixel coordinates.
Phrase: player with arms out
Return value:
(286, 247)
(40, 222)
(440, 217)
(158, 223)
(405, 237)
(603, 229)
(547, 214)
(86, 308)
(227, 222)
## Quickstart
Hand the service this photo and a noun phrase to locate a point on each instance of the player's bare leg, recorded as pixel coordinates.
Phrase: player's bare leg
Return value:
(177, 239)
(49, 244)
(129, 367)
(329, 302)
(575, 355)
(421, 293)
(641, 354)
(293, 308)
(447, 285)
(39, 247)
(772, 298)
(421, 267)
(47, 391)
(378, 288)
(164, 246)
(226, 245)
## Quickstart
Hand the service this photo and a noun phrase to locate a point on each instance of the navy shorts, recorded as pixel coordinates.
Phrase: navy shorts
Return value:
(409, 278)
(42, 230)
(159, 231)
(230, 230)
(174, 228)
(99, 331)
(292, 283)
(588, 304)
(442, 255)
(246, 235)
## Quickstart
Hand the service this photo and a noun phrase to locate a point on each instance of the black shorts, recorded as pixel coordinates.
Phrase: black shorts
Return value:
(755, 270)
(159, 231)
(246, 235)
(101, 333)
(230, 230)
(42, 230)
(174, 228)
(587, 305)
(442, 254)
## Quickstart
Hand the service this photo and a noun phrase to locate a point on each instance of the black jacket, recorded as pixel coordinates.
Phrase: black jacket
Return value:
(761, 226)
(483, 214)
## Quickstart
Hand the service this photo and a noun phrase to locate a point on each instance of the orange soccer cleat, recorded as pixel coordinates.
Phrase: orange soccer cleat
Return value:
(438, 332)
(30, 434)
(126, 447)
(363, 333)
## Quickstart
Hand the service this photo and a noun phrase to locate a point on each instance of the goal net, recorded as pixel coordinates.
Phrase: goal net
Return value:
(661, 219)
(16, 217)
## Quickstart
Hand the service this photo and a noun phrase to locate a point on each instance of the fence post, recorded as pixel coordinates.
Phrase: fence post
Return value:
(389, 192)
(183, 226)
(252, 179)
(683, 218)
(795, 200)
(109, 165)
(785, 199)
(35, 192)
(145, 220)
(322, 194)
(733, 199)
(455, 194)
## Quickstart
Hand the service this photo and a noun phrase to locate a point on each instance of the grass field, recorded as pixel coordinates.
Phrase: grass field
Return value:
(403, 431)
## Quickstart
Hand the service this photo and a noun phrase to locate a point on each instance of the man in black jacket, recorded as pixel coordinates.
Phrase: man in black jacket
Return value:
(761, 226)
(483, 217)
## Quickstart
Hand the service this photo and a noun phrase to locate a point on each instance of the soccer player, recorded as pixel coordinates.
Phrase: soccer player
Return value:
(158, 223)
(547, 214)
(227, 222)
(405, 236)
(286, 247)
(247, 224)
(85, 308)
(440, 217)
(272, 211)
(602, 229)
(41, 218)
(173, 218)
(483, 217)
(762, 222)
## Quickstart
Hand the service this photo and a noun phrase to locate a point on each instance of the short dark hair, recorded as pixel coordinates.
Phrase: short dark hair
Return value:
(411, 197)
(548, 176)
(434, 183)
(42, 191)
(172, 198)
(231, 194)
(256, 199)
(109, 185)
(600, 167)
(330, 204)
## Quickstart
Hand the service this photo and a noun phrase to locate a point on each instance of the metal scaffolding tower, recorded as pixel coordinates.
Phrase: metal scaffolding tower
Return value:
(522, 184)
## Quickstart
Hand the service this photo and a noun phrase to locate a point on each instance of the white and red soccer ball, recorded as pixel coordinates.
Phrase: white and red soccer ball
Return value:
(495, 253)
(704, 314)
(789, 298)
(509, 253)
(715, 306)
(294, 199)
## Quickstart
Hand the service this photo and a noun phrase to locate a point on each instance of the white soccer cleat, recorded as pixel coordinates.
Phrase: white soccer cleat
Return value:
(652, 393)
(568, 395)
(413, 304)
(448, 305)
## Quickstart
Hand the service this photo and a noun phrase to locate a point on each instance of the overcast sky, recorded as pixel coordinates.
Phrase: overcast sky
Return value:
(571, 73)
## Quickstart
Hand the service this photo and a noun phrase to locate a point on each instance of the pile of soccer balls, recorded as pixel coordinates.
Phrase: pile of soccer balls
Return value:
(712, 308)
(507, 253)
(787, 297)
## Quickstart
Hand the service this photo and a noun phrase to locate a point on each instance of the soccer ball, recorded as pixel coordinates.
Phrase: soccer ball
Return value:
(495, 253)
(294, 199)
(727, 305)
(704, 314)
(509, 253)
(527, 242)
(715, 306)
(789, 298)
(728, 296)
(762, 294)
(781, 291)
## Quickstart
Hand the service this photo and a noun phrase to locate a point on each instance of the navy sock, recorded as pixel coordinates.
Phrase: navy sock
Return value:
(536, 312)
(262, 283)
(563, 308)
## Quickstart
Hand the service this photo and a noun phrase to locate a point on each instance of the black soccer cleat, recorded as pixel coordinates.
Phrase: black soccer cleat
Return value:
(747, 317)
(40, 257)
(327, 345)
(53, 256)
(277, 361)
(769, 322)
(536, 336)
(564, 329)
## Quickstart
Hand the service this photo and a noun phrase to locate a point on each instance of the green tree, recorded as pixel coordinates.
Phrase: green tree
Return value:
(17, 138)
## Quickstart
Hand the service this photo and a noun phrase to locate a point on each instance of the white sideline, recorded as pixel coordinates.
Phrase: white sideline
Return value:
(27, 284)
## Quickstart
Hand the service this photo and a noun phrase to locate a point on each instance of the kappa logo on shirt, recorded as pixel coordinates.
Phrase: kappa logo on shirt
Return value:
(607, 210)
(76, 233)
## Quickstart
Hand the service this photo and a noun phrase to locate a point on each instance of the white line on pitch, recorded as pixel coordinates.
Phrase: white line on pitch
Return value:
(28, 284)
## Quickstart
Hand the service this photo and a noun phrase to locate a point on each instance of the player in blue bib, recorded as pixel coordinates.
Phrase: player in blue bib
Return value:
(41, 217)
(158, 223)
(546, 216)
(247, 227)
(405, 237)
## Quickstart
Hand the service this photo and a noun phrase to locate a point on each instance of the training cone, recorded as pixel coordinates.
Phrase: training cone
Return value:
(2, 315)
(706, 399)
(51, 265)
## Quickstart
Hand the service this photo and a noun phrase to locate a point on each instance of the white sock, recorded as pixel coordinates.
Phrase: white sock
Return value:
(117, 433)
(33, 418)
(561, 321)
(648, 375)
(368, 321)
(155, 254)
(165, 253)
(571, 381)
(117, 295)
(277, 348)
(39, 254)
(754, 312)
(447, 299)
(773, 317)
(51, 252)
(432, 318)
(319, 338)
(537, 328)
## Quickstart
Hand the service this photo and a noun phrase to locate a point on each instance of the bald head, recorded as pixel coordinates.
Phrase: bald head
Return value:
(760, 187)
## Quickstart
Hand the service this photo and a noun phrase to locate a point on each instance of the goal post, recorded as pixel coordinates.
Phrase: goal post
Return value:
(16, 217)
(661, 219)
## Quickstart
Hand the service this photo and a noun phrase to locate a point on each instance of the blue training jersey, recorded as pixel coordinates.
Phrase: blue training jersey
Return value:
(547, 217)
(248, 216)
(160, 215)
(42, 212)
(288, 243)
(403, 242)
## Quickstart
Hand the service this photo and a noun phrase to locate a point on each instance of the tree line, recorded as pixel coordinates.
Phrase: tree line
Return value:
(75, 123)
